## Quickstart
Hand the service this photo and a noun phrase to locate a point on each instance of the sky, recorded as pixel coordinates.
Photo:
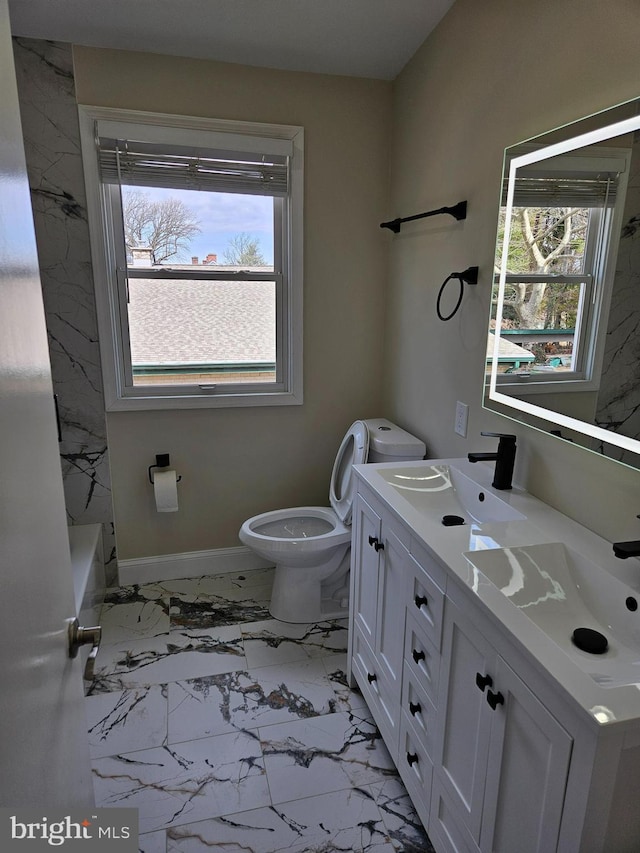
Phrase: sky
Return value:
(222, 216)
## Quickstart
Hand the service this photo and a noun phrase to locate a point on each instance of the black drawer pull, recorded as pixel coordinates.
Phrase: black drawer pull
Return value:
(371, 678)
(377, 544)
(494, 699)
(418, 655)
(421, 600)
(412, 758)
(414, 708)
(483, 681)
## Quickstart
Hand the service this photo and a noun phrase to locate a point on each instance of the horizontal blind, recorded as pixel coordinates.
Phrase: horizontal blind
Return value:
(182, 167)
(568, 180)
(555, 191)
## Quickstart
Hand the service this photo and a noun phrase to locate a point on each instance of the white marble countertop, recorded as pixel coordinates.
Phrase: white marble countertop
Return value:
(542, 523)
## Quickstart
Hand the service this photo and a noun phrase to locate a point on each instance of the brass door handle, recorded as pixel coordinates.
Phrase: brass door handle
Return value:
(80, 636)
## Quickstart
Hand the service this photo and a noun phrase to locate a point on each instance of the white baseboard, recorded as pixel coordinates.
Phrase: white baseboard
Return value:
(192, 564)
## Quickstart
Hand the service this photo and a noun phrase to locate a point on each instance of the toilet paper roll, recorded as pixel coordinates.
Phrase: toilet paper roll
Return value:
(165, 487)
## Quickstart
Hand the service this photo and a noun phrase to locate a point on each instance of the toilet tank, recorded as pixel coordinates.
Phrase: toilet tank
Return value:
(389, 443)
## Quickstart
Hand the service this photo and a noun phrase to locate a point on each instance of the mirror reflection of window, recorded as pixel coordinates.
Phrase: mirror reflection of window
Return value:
(557, 282)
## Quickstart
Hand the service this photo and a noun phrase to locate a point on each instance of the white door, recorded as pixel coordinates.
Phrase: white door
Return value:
(44, 757)
(366, 563)
(527, 772)
(464, 718)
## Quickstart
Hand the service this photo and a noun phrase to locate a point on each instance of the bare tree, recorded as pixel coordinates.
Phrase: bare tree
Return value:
(544, 241)
(167, 226)
(244, 250)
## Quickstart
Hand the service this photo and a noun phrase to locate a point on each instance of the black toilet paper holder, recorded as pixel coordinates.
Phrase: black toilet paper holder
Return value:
(163, 460)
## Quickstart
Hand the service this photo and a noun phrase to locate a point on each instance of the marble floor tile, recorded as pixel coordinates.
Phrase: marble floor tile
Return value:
(153, 842)
(403, 825)
(343, 821)
(170, 657)
(127, 720)
(348, 699)
(230, 730)
(133, 613)
(231, 608)
(216, 584)
(323, 754)
(245, 700)
(186, 783)
(272, 642)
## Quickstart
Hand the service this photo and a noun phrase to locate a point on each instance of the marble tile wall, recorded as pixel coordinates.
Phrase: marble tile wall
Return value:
(48, 108)
(619, 397)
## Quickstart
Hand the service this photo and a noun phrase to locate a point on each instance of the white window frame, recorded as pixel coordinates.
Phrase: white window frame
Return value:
(589, 340)
(107, 249)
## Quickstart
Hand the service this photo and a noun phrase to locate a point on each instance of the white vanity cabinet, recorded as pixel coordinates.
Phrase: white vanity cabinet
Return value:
(497, 753)
(502, 758)
(394, 645)
(378, 593)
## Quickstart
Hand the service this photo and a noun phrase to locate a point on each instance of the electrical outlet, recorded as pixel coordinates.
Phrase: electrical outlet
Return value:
(462, 416)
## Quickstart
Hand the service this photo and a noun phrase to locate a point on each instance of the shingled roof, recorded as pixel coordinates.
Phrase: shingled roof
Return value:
(195, 322)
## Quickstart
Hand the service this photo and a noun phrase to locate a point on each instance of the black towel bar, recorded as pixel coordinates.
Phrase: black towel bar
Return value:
(458, 211)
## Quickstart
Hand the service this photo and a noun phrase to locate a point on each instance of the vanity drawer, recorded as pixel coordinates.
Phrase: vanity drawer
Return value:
(382, 699)
(422, 658)
(416, 770)
(426, 602)
(419, 711)
(428, 564)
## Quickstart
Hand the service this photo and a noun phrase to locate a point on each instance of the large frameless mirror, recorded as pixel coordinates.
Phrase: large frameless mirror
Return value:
(563, 349)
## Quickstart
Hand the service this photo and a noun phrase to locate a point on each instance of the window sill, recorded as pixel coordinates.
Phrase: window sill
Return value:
(202, 401)
(546, 386)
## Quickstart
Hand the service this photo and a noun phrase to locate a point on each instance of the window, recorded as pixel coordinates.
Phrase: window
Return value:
(559, 270)
(185, 322)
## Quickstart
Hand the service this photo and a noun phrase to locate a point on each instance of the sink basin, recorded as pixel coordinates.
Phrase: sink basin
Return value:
(444, 490)
(560, 590)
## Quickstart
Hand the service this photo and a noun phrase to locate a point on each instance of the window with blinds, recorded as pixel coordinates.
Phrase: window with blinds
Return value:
(201, 250)
(560, 233)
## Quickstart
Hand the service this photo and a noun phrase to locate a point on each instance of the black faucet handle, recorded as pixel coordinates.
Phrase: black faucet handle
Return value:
(501, 435)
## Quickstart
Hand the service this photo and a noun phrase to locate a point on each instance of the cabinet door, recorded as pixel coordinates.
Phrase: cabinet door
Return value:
(464, 718)
(364, 569)
(392, 596)
(528, 764)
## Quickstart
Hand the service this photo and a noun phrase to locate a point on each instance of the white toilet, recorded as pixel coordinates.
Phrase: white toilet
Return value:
(310, 545)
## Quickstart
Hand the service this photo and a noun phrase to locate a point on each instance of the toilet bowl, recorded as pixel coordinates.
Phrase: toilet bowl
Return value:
(310, 546)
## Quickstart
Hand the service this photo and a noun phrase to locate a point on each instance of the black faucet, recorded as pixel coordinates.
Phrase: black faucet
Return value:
(504, 457)
(627, 549)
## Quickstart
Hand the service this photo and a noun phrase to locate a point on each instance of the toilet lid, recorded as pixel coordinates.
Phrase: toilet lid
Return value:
(353, 451)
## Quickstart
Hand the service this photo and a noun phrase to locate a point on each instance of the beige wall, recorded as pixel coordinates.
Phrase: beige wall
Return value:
(492, 74)
(238, 462)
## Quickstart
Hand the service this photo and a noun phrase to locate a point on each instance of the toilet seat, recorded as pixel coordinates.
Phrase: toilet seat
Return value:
(277, 530)
(353, 450)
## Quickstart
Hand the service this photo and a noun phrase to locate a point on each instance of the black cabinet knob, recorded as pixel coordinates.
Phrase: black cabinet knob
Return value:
(418, 655)
(377, 544)
(483, 681)
(421, 600)
(494, 699)
(371, 678)
(412, 758)
(414, 708)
